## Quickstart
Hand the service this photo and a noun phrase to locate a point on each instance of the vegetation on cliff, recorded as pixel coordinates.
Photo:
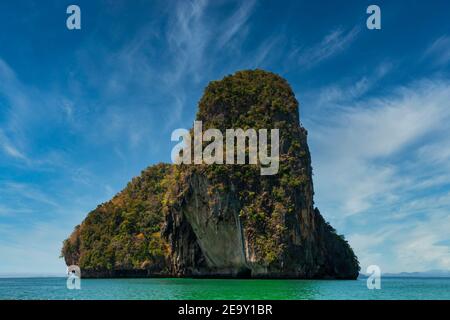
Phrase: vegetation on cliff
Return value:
(124, 233)
(220, 220)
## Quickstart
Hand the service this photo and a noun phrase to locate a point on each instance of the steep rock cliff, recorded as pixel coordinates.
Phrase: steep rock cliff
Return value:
(220, 220)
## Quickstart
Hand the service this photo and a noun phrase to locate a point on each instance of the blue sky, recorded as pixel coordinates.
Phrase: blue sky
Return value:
(81, 112)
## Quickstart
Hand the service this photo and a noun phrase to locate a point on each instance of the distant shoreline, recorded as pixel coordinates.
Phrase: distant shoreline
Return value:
(27, 276)
(360, 277)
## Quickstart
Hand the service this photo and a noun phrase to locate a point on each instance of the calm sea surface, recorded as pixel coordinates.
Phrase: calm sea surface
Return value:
(55, 288)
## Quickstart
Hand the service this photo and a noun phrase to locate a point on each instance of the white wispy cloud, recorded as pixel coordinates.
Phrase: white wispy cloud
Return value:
(370, 156)
(115, 98)
(43, 217)
(235, 22)
(333, 43)
(420, 247)
(35, 251)
(10, 149)
(188, 37)
(193, 41)
(439, 51)
(407, 245)
(6, 211)
(25, 112)
(13, 91)
(265, 53)
(355, 137)
(196, 50)
(353, 89)
(19, 191)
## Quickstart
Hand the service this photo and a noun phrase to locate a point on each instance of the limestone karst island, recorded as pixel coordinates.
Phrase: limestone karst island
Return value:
(220, 220)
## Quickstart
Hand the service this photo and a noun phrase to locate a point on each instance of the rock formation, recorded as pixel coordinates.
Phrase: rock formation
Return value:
(220, 220)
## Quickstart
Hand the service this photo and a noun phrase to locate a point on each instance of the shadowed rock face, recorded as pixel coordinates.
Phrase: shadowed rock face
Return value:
(220, 220)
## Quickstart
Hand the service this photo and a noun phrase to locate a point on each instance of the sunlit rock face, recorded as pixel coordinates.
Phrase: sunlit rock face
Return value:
(220, 220)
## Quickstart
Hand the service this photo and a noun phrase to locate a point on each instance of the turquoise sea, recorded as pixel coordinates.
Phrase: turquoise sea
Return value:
(125, 289)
